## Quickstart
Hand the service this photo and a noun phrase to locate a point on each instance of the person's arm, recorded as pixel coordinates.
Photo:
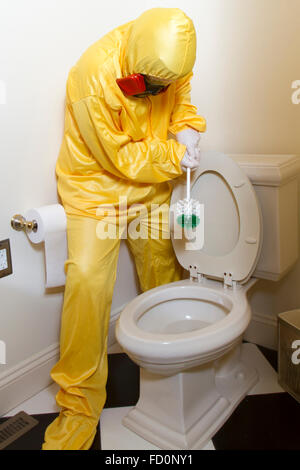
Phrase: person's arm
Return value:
(146, 161)
(184, 114)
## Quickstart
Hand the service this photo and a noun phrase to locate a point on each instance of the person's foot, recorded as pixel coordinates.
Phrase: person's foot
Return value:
(70, 432)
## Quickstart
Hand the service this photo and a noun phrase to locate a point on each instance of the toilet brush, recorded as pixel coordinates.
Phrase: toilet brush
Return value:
(188, 210)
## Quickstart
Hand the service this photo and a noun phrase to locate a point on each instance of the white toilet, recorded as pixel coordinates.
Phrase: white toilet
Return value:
(187, 336)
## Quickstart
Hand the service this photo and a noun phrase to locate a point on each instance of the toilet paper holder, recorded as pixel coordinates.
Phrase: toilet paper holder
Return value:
(19, 223)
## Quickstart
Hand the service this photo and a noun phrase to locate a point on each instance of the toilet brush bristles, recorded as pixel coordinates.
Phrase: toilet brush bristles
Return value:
(188, 210)
(188, 213)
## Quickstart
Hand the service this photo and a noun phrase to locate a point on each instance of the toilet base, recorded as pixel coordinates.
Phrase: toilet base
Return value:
(185, 410)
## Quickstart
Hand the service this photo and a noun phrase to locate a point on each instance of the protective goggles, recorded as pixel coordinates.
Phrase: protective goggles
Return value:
(138, 85)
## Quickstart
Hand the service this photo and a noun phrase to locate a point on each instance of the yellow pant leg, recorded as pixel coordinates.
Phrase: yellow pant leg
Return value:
(152, 249)
(81, 370)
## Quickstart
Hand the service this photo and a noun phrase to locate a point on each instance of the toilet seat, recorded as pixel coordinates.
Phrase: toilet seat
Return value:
(240, 260)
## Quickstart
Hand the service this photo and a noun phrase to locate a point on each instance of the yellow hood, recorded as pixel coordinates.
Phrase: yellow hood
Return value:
(162, 43)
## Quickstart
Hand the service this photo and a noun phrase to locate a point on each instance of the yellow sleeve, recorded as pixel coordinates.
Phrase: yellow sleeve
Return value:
(184, 113)
(144, 161)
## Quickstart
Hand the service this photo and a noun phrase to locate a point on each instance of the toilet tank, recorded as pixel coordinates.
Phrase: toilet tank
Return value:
(275, 180)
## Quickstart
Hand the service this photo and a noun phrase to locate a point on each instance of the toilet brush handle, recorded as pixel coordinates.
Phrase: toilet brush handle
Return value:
(188, 183)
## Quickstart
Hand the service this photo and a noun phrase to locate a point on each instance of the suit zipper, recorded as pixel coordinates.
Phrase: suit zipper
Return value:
(150, 109)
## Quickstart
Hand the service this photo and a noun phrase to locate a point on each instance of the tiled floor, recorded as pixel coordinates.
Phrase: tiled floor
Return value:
(266, 419)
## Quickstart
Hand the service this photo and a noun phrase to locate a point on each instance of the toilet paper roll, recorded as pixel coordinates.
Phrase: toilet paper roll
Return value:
(52, 230)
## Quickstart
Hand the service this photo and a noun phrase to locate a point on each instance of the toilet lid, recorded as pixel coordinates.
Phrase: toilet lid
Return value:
(232, 220)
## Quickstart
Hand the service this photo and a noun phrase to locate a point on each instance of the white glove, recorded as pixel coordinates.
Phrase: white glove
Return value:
(189, 162)
(190, 138)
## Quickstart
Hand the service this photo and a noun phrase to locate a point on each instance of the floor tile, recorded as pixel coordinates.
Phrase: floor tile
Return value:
(123, 383)
(267, 375)
(262, 422)
(271, 355)
(115, 436)
(209, 446)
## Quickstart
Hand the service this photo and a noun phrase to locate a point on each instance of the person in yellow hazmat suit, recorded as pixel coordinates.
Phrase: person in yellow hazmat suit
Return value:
(125, 96)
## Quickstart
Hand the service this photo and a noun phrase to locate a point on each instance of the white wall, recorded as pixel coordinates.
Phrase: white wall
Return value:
(247, 59)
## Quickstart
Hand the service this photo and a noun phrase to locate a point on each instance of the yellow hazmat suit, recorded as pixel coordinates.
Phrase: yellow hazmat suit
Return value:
(115, 146)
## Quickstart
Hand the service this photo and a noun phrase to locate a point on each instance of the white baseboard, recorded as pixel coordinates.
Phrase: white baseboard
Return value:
(29, 377)
(262, 330)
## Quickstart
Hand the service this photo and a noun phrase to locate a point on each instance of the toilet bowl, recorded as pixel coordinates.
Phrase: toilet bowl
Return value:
(187, 336)
(184, 324)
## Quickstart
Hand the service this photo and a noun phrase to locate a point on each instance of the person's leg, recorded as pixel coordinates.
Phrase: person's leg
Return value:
(81, 370)
(152, 249)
